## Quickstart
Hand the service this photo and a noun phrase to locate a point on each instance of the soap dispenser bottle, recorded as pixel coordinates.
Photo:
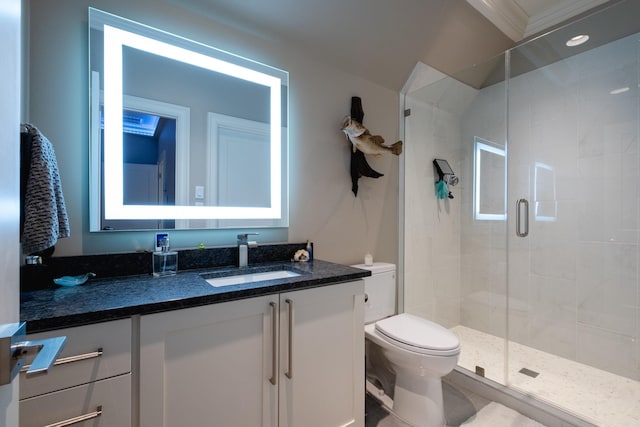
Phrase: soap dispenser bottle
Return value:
(165, 262)
(309, 249)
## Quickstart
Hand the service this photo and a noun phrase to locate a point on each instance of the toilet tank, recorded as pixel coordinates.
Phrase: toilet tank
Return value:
(380, 291)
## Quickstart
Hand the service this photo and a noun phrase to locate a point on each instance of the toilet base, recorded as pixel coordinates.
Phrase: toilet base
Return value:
(418, 401)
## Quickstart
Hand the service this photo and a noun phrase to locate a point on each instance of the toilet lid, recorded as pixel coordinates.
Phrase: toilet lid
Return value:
(418, 334)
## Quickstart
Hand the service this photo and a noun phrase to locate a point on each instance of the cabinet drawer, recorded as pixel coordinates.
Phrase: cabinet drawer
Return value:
(80, 361)
(110, 398)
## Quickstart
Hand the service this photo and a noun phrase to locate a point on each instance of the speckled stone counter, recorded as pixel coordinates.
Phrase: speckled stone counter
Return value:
(119, 297)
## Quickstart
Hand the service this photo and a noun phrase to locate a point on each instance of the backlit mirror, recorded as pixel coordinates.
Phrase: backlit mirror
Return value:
(183, 135)
(489, 193)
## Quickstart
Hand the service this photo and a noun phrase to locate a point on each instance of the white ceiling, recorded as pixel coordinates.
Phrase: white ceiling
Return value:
(381, 40)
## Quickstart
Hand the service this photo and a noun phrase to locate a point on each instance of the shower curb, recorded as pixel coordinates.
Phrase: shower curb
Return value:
(527, 405)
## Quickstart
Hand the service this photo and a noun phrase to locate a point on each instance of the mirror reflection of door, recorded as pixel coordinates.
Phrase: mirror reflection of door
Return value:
(238, 166)
(149, 153)
(149, 158)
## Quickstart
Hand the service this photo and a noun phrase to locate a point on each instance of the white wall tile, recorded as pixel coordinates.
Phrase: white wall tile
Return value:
(608, 351)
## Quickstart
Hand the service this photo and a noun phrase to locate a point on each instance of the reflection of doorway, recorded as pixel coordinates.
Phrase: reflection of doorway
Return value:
(154, 133)
(149, 157)
(149, 160)
(142, 184)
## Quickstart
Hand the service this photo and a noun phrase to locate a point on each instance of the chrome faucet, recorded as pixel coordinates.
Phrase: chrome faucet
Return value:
(243, 248)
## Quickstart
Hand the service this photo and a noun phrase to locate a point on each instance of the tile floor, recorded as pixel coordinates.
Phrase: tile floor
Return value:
(462, 409)
(592, 394)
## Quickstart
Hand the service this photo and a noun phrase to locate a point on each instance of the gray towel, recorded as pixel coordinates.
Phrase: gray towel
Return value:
(45, 214)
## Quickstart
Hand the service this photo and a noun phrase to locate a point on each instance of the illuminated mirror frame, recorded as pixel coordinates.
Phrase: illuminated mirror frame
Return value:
(199, 55)
(480, 146)
(545, 199)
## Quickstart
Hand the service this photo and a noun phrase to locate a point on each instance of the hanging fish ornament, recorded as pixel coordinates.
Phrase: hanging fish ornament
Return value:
(361, 139)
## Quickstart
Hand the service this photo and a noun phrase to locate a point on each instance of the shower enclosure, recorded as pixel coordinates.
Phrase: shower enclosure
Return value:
(535, 261)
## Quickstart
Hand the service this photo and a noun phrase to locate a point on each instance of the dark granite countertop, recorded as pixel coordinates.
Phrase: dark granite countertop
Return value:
(118, 297)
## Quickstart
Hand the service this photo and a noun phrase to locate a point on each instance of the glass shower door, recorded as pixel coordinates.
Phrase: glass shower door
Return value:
(573, 155)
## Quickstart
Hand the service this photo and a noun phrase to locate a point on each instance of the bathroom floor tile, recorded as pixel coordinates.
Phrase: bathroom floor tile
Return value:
(377, 416)
(462, 408)
(597, 396)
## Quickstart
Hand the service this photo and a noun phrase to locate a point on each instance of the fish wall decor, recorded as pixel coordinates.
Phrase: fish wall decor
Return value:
(363, 142)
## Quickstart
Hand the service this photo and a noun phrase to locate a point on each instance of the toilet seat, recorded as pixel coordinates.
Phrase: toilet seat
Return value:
(419, 335)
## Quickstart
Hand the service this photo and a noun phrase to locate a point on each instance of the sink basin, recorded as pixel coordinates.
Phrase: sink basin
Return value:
(233, 278)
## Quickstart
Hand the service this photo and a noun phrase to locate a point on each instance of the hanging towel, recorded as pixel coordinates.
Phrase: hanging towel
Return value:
(442, 191)
(45, 214)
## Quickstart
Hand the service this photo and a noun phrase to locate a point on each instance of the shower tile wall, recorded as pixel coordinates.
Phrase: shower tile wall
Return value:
(484, 250)
(432, 235)
(574, 282)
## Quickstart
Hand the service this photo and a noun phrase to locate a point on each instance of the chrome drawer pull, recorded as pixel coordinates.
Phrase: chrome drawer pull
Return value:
(274, 344)
(78, 419)
(71, 359)
(289, 373)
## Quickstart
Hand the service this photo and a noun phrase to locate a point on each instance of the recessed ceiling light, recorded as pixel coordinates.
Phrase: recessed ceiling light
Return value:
(620, 90)
(577, 40)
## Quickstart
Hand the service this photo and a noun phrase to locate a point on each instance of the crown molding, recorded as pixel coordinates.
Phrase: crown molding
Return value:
(507, 15)
(559, 13)
(510, 18)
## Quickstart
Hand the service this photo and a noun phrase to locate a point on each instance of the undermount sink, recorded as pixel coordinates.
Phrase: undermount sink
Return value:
(236, 278)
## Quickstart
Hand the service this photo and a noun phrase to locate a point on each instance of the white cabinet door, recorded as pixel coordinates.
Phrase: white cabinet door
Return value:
(209, 365)
(322, 356)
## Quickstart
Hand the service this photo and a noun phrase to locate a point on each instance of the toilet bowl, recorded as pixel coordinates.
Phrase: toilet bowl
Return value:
(417, 351)
(420, 355)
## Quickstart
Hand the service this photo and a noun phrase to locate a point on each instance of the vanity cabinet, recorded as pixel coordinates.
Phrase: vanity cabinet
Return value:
(322, 357)
(290, 359)
(91, 379)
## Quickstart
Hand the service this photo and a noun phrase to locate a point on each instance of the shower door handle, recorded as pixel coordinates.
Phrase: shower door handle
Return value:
(519, 205)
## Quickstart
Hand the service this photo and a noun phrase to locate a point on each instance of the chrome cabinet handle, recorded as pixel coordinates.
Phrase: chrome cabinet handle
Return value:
(78, 419)
(519, 204)
(289, 372)
(274, 344)
(71, 359)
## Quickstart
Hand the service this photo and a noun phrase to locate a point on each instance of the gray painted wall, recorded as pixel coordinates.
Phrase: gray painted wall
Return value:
(322, 207)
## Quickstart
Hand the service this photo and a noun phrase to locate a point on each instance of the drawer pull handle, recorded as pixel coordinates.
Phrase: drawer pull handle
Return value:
(78, 419)
(289, 373)
(274, 344)
(71, 359)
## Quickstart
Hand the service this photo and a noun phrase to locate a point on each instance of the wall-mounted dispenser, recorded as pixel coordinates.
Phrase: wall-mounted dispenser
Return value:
(446, 178)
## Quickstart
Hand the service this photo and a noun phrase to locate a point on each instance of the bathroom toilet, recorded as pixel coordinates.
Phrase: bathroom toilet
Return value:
(406, 355)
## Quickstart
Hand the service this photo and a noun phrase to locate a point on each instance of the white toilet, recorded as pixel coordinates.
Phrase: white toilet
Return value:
(416, 351)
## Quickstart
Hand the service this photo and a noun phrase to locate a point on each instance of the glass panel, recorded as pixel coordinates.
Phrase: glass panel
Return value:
(573, 152)
(571, 306)
(454, 254)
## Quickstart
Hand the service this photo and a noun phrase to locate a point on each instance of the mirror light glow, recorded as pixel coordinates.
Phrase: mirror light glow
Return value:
(477, 193)
(544, 192)
(114, 40)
